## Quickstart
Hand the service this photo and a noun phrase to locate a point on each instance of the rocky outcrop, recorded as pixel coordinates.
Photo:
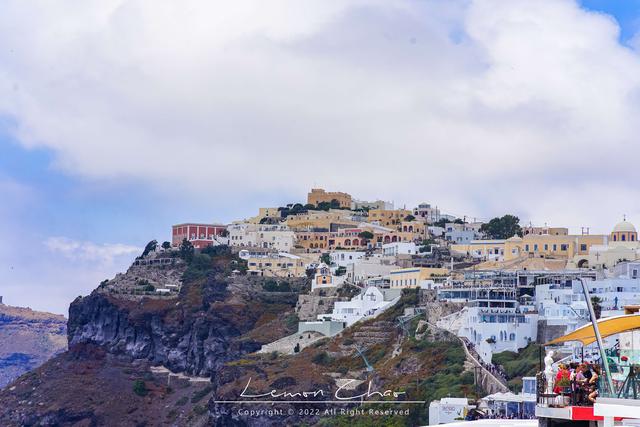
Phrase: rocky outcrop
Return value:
(29, 338)
(196, 334)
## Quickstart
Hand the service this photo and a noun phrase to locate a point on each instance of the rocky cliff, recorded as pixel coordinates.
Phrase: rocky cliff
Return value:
(28, 339)
(123, 348)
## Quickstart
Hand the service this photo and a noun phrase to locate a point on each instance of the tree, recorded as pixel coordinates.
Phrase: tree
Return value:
(326, 258)
(140, 388)
(502, 228)
(186, 250)
(365, 235)
(409, 218)
(596, 302)
(166, 245)
(151, 246)
(334, 204)
(441, 222)
(324, 206)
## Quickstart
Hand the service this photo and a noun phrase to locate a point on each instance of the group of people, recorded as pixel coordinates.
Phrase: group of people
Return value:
(495, 370)
(581, 379)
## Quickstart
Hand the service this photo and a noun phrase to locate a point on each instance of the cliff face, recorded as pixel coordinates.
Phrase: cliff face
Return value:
(28, 339)
(196, 333)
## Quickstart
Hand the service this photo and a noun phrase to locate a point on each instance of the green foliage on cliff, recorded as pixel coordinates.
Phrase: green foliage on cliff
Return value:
(140, 388)
(524, 363)
(274, 286)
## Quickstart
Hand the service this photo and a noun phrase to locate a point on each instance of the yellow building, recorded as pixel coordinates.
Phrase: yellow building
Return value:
(275, 265)
(415, 277)
(318, 219)
(389, 217)
(264, 213)
(552, 231)
(623, 232)
(312, 241)
(551, 246)
(621, 245)
(483, 249)
(318, 195)
(531, 245)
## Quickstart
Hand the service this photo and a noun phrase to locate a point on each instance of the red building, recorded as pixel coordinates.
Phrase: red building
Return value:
(200, 235)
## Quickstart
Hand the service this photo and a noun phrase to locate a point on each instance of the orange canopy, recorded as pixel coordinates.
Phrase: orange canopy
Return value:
(609, 326)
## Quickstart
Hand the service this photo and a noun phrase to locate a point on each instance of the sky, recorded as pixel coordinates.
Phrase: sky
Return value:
(119, 118)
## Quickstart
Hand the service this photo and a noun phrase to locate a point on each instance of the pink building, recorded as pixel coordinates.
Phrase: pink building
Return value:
(200, 235)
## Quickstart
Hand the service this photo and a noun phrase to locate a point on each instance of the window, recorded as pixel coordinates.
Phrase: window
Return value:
(526, 248)
(583, 247)
(564, 247)
(555, 247)
(546, 247)
(535, 248)
(623, 237)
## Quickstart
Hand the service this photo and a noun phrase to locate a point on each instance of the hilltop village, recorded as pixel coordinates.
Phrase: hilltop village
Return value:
(516, 284)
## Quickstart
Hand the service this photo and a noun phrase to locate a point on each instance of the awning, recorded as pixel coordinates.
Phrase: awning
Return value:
(609, 326)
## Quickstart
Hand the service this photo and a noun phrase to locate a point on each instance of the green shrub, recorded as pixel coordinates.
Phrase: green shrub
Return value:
(274, 286)
(140, 388)
(321, 358)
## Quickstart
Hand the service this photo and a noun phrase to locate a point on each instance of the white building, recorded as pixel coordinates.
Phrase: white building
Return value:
(495, 322)
(345, 258)
(426, 211)
(462, 233)
(399, 248)
(564, 303)
(487, 250)
(370, 303)
(367, 268)
(378, 204)
(448, 409)
(627, 270)
(436, 231)
(325, 279)
(276, 237)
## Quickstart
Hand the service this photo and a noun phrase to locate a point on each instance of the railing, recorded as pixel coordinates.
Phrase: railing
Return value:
(625, 379)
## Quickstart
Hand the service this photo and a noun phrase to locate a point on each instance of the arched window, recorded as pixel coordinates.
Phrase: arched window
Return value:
(512, 337)
(623, 237)
(633, 237)
(615, 238)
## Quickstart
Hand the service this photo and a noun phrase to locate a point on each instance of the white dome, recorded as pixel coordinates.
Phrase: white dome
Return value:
(624, 227)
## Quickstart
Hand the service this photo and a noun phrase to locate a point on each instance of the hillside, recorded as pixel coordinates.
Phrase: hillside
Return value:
(148, 360)
(29, 338)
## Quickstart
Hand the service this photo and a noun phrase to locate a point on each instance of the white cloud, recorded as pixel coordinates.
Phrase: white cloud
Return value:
(481, 106)
(89, 251)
